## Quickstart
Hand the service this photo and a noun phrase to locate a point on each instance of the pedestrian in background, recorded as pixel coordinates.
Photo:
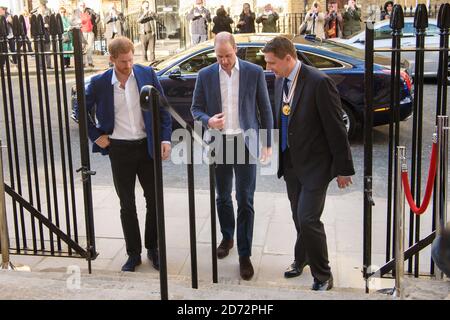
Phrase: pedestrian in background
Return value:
(10, 36)
(67, 36)
(86, 19)
(268, 19)
(246, 22)
(222, 22)
(114, 24)
(45, 12)
(199, 17)
(26, 18)
(315, 21)
(147, 30)
(333, 21)
(387, 12)
(352, 19)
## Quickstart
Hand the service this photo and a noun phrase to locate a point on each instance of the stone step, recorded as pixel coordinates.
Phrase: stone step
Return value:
(130, 286)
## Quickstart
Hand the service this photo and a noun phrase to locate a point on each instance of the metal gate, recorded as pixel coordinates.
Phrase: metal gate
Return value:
(419, 236)
(47, 203)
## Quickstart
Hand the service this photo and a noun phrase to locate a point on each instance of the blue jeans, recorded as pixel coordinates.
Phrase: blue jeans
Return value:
(245, 175)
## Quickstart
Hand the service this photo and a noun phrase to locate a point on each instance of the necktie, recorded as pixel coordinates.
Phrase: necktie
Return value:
(284, 118)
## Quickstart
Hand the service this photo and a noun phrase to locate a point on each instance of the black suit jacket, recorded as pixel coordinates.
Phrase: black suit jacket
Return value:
(317, 137)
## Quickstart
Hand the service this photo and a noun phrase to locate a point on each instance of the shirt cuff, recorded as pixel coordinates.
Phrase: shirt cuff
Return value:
(166, 142)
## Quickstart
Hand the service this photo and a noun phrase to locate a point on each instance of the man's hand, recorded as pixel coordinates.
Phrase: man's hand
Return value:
(217, 121)
(343, 182)
(266, 154)
(103, 141)
(165, 151)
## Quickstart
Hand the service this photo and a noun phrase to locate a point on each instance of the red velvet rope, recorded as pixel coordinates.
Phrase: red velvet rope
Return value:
(430, 184)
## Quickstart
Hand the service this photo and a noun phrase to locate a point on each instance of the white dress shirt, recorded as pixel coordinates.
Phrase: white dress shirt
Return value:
(229, 91)
(128, 119)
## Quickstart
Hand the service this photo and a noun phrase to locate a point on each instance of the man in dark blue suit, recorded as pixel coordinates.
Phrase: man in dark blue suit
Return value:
(314, 149)
(124, 132)
(231, 96)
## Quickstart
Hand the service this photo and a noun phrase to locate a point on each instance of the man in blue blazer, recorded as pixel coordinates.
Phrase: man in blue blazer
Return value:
(124, 131)
(231, 96)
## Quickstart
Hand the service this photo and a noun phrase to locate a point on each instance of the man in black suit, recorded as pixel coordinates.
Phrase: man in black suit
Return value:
(314, 149)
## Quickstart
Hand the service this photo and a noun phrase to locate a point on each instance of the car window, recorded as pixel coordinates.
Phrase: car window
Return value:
(384, 32)
(321, 62)
(256, 56)
(433, 30)
(198, 62)
(409, 30)
(206, 58)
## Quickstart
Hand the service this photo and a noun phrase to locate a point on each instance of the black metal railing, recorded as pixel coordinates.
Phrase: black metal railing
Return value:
(150, 102)
(40, 175)
(416, 243)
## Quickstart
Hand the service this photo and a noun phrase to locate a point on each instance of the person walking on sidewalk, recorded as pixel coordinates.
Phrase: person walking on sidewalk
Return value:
(231, 96)
(314, 149)
(124, 132)
(147, 28)
(199, 17)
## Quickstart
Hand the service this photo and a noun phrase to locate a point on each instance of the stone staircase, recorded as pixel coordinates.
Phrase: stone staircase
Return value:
(60, 284)
(105, 285)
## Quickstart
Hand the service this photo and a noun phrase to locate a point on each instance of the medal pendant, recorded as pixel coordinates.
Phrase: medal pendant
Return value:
(286, 110)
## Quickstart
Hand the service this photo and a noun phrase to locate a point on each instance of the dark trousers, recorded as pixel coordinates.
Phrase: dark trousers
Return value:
(130, 159)
(307, 207)
(245, 175)
(148, 44)
(12, 49)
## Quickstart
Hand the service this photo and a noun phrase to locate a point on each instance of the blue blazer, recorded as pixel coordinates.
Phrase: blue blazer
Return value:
(255, 111)
(100, 94)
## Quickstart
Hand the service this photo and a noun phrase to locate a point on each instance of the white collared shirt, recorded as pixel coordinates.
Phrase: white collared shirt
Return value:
(128, 119)
(229, 91)
(294, 71)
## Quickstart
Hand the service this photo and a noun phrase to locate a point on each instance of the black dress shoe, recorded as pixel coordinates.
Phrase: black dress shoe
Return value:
(295, 269)
(246, 268)
(153, 255)
(224, 248)
(132, 263)
(323, 286)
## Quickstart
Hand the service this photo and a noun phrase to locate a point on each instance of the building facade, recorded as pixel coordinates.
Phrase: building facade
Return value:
(171, 13)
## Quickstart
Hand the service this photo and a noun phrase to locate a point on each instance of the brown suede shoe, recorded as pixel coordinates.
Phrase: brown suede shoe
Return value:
(246, 268)
(224, 248)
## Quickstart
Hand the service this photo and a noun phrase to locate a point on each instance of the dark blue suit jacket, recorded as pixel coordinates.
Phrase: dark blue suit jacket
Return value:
(100, 94)
(255, 111)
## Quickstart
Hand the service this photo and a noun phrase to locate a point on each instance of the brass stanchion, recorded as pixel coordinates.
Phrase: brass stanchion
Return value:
(441, 176)
(400, 225)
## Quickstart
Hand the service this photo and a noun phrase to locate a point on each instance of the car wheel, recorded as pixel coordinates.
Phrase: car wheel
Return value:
(349, 121)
